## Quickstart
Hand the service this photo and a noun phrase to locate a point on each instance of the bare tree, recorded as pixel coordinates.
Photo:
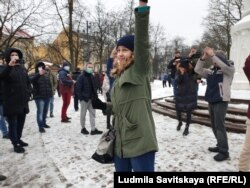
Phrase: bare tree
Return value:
(75, 15)
(158, 42)
(16, 18)
(223, 14)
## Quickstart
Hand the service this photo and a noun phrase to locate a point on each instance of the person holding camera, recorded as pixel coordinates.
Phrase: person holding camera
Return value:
(218, 93)
(42, 93)
(186, 93)
(16, 95)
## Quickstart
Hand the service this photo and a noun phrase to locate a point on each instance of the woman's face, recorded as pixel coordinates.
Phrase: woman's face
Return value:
(123, 54)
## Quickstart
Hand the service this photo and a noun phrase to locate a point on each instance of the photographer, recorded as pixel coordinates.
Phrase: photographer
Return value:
(218, 93)
(16, 95)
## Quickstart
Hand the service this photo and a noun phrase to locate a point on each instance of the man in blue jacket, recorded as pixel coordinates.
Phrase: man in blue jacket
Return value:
(219, 79)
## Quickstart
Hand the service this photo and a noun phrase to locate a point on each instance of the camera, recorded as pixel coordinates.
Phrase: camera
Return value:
(196, 55)
(20, 61)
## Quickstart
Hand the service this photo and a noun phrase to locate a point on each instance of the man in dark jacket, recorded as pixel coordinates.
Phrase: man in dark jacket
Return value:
(16, 95)
(42, 93)
(86, 89)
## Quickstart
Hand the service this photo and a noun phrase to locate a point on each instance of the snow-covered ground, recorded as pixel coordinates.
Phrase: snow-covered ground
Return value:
(61, 157)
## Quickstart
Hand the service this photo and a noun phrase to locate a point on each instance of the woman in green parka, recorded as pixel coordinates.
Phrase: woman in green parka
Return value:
(136, 142)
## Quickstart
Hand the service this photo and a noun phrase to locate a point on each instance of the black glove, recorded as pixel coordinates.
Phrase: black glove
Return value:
(98, 104)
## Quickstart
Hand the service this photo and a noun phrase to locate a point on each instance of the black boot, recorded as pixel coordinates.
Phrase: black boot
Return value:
(179, 126)
(186, 131)
(18, 149)
(2, 177)
(22, 143)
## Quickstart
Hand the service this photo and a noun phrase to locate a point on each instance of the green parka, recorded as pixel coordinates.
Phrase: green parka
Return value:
(131, 99)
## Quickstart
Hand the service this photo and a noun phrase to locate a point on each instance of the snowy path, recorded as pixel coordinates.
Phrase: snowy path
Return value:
(62, 156)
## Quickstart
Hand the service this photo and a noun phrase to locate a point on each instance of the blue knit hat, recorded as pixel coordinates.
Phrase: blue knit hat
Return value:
(127, 41)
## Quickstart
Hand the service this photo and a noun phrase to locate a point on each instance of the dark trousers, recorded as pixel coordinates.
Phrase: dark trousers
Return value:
(16, 123)
(174, 86)
(188, 116)
(169, 82)
(142, 163)
(217, 113)
(164, 83)
(76, 103)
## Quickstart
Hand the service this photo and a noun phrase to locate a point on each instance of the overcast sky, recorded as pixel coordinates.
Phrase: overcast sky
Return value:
(181, 18)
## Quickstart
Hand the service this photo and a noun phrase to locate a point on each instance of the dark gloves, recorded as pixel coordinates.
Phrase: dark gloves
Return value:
(98, 104)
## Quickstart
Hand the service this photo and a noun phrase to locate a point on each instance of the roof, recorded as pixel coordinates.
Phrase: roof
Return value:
(20, 33)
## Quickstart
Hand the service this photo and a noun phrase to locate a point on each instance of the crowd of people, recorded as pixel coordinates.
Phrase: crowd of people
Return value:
(126, 88)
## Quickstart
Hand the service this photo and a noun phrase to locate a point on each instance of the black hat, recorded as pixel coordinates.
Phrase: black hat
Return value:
(39, 64)
(127, 41)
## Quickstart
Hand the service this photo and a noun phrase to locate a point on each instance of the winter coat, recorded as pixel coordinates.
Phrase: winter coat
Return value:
(246, 69)
(131, 99)
(42, 87)
(16, 90)
(186, 92)
(219, 79)
(86, 87)
(165, 77)
(66, 84)
(1, 86)
(75, 75)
